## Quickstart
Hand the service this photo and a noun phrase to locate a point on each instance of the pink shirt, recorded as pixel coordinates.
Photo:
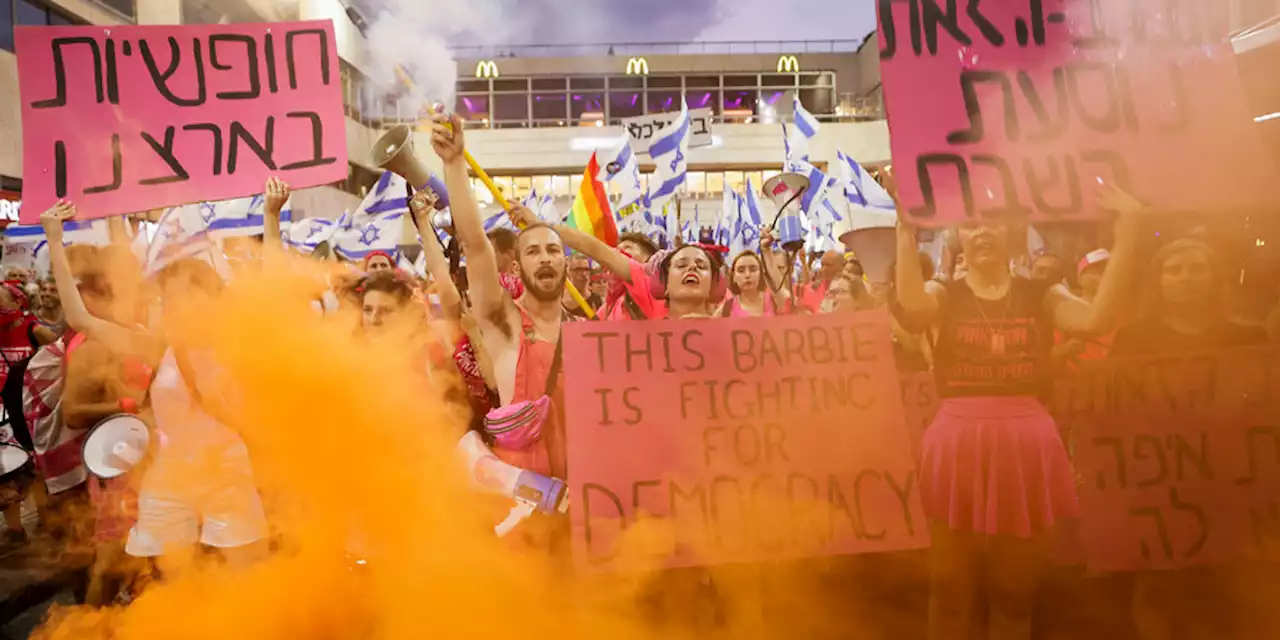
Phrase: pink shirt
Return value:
(641, 293)
(736, 310)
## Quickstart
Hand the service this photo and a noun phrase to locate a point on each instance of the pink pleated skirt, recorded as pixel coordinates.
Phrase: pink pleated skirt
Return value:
(996, 466)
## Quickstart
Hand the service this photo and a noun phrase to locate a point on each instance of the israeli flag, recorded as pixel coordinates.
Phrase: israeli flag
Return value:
(670, 153)
(241, 216)
(389, 195)
(813, 202)
(729, 222)
(380, 233)
(795, 138)
(73, 231)
(543, 207)
(417, 267)
(181, 233)
(307, 234)
(626, 179)
(861, 190)
(499, 220)
(753, 217)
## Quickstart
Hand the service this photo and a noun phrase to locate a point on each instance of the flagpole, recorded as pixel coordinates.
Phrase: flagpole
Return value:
(500, 199)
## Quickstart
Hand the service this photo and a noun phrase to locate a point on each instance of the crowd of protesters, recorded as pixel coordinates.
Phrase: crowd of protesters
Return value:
(499, 354)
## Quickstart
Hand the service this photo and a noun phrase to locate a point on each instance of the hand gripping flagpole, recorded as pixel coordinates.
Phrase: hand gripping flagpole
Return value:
(500, 199)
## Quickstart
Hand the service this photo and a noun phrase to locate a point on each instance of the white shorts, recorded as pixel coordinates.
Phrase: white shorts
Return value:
(181, 503)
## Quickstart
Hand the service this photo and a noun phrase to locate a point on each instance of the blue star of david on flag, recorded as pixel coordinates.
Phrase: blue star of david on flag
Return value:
(370, 235)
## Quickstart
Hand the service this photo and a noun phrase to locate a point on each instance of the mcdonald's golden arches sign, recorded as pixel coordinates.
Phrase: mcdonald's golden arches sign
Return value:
(486, 69)
(788, 64)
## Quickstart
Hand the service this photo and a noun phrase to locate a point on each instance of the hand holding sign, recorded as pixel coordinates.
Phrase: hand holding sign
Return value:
(53, 219)
(277, 194)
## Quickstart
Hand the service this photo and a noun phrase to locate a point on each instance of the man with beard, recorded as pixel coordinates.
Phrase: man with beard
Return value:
(521, 336)
(631, 294)
(580, 276)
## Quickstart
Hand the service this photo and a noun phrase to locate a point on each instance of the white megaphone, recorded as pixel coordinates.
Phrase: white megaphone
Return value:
(871, 234)
(115, 445)
(531, 491)
(786, 190)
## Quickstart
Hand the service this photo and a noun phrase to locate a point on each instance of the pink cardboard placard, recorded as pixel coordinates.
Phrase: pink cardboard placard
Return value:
(1022, 108)
(1179, 458)
(702, 442)
(126, 119)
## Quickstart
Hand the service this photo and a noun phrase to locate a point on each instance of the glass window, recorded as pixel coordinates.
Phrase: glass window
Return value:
(625, 104)
(587, 106)
(715, 183)
(6, 25)
(504, 186)
(550, 106)
(702, 82)
(740, 104)
(586, 83)
(510, 107)
(664, 82)
(661, 101)
(772, 80)
(696, 183)
(473, 86)
(824, 79)
(560, 186)
(734, 180)
(740, 80)
(521, 84)
(757, 182)
(125, 7)
(30, 13)
(473, 107)
(625, 82)
(703, 99)
(548, 84)
(542, 184)
(774, 98)
(575, 182)
(520, 186)
(818, 100)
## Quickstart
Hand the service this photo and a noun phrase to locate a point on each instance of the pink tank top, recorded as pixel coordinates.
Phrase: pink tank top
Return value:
(533, 365)
(736, 309)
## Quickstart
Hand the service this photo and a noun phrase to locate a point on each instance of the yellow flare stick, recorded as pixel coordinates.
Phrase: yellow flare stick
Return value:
(500, 199)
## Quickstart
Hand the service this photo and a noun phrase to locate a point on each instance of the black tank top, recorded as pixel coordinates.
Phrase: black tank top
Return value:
(994, 347)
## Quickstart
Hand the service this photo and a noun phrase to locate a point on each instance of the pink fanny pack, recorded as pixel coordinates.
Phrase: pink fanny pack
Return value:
(518, 426)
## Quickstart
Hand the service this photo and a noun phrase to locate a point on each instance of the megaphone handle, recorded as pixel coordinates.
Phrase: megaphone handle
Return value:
(506, 206)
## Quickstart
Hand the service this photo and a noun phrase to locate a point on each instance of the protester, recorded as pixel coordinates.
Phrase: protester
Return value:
(199, 487)
(632, 296)
(1185, 307)
(691, 281)
(504, 249)
(1049, 268)
(751, 295)
(49, 310)
(1071, 349)
(20, 335)
(813, 293)
(996, 330)
(522, 336)
(379, 261)
(580, 277)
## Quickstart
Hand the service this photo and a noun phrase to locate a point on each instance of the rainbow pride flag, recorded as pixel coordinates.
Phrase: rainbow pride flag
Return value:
(590, 213)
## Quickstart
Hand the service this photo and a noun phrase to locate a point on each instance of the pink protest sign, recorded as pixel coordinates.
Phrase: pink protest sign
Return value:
(1179, 457)
(1023, 108)
(126, 119)
(701, 442)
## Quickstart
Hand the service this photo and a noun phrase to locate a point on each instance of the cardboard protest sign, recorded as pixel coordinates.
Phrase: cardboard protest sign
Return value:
(1022, 108)
(1180, 457)
(130, 118)
(701, 442)
(920, 404)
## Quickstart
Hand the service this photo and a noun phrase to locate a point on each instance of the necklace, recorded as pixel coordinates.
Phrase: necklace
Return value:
(996, 338)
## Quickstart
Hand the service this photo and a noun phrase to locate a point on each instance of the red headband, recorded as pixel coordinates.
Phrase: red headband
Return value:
(375, 254)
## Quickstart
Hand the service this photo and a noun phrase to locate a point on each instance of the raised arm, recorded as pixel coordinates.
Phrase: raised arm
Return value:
(437, 264)
(616, 262)
(124, 340)
(276, 195)
(487, 295)
(1074, 315)
(773, 275)
(117, 233)
(920, 301)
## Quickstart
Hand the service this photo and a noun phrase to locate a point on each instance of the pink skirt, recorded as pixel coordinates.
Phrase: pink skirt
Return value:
(996, 466)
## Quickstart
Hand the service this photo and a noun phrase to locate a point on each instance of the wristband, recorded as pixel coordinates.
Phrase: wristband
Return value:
(128, 405)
